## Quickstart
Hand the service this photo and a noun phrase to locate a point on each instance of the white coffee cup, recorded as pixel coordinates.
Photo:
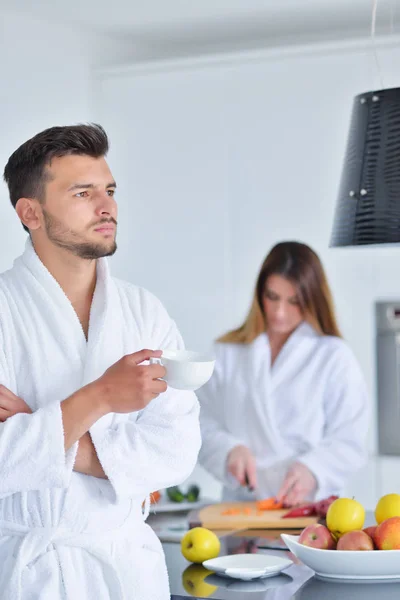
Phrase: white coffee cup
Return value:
(186, 370)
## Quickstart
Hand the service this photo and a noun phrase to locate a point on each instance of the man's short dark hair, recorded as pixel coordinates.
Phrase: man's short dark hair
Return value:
(25, 172)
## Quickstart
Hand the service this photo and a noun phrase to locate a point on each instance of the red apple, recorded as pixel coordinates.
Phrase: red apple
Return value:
(321, 507)
(317, 536)
(371, 532)
(387, 534)
(355, 540)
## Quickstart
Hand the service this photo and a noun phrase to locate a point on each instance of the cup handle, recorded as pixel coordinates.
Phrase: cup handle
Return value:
(155, 361)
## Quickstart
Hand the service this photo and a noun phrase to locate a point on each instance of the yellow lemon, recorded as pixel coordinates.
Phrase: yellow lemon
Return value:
(388, 506)
(200, 544)
(344, 514)
(193, 580)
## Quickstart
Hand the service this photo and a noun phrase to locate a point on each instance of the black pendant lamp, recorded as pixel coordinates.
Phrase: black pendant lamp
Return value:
(368, 205)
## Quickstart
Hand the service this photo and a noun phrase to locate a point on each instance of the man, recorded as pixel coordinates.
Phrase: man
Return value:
(88, 428)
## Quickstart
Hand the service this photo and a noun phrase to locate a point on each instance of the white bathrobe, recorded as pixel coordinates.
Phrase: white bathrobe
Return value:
(64, 534)
(311, 406)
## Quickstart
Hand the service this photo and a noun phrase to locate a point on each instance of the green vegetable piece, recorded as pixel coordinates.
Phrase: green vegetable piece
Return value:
(175, 494)
(193, 493)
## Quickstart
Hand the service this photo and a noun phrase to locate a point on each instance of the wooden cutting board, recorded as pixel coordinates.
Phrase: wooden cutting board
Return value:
(212, 517)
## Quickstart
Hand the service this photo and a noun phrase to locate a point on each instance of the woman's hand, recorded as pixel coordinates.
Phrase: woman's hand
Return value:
(242, 465)
(10, 404)
(298, 486)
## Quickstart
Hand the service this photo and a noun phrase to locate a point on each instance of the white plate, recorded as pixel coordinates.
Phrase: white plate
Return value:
(247, 566)
(345, 564)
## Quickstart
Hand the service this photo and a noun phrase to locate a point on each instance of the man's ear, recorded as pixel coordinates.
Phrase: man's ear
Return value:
(28, 210)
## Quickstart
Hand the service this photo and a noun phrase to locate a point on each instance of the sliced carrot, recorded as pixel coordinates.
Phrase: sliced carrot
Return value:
(154, 497)
(269, 504)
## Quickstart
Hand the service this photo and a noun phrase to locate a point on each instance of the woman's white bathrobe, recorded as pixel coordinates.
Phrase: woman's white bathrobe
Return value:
(64, 534)
(311, 406)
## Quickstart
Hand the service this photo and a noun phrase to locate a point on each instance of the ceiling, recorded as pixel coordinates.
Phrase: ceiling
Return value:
(180, 24)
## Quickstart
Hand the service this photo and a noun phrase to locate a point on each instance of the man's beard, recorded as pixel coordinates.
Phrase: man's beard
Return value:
(73, 242)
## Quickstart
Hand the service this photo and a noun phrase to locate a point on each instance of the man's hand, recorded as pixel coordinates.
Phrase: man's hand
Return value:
(298, 486)
(11, 405)
(128, 386)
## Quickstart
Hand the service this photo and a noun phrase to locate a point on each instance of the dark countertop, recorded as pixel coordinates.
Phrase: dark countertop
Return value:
(298, 583)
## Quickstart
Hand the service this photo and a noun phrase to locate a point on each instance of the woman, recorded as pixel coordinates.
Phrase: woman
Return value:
(285, 412)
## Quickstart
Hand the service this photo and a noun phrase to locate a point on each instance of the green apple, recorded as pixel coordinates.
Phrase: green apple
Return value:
(200, 544)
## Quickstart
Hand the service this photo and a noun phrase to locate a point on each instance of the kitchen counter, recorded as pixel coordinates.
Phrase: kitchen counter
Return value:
(298, 582)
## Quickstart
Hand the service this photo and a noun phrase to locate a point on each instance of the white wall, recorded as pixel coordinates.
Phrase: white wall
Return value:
(218, 159)
(45, 80)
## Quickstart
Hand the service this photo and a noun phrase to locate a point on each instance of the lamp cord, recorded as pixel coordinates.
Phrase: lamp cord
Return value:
(373, 28)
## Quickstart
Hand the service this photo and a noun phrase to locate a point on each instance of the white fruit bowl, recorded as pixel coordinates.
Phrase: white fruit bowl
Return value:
(346, 564)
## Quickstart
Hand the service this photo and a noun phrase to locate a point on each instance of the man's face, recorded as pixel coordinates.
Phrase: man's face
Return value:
(79, 210)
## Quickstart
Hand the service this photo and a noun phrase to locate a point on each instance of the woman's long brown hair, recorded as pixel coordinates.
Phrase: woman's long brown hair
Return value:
(300, 265)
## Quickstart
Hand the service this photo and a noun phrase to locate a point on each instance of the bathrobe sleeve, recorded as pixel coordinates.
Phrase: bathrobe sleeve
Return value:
(157, 447)
(343, 448)
(32, 455)
(217, 442)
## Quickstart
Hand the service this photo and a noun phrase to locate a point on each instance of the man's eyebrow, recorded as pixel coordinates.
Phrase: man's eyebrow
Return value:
(88, 186)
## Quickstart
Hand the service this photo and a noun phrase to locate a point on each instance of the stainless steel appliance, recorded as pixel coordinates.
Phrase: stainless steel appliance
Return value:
(388, 376)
